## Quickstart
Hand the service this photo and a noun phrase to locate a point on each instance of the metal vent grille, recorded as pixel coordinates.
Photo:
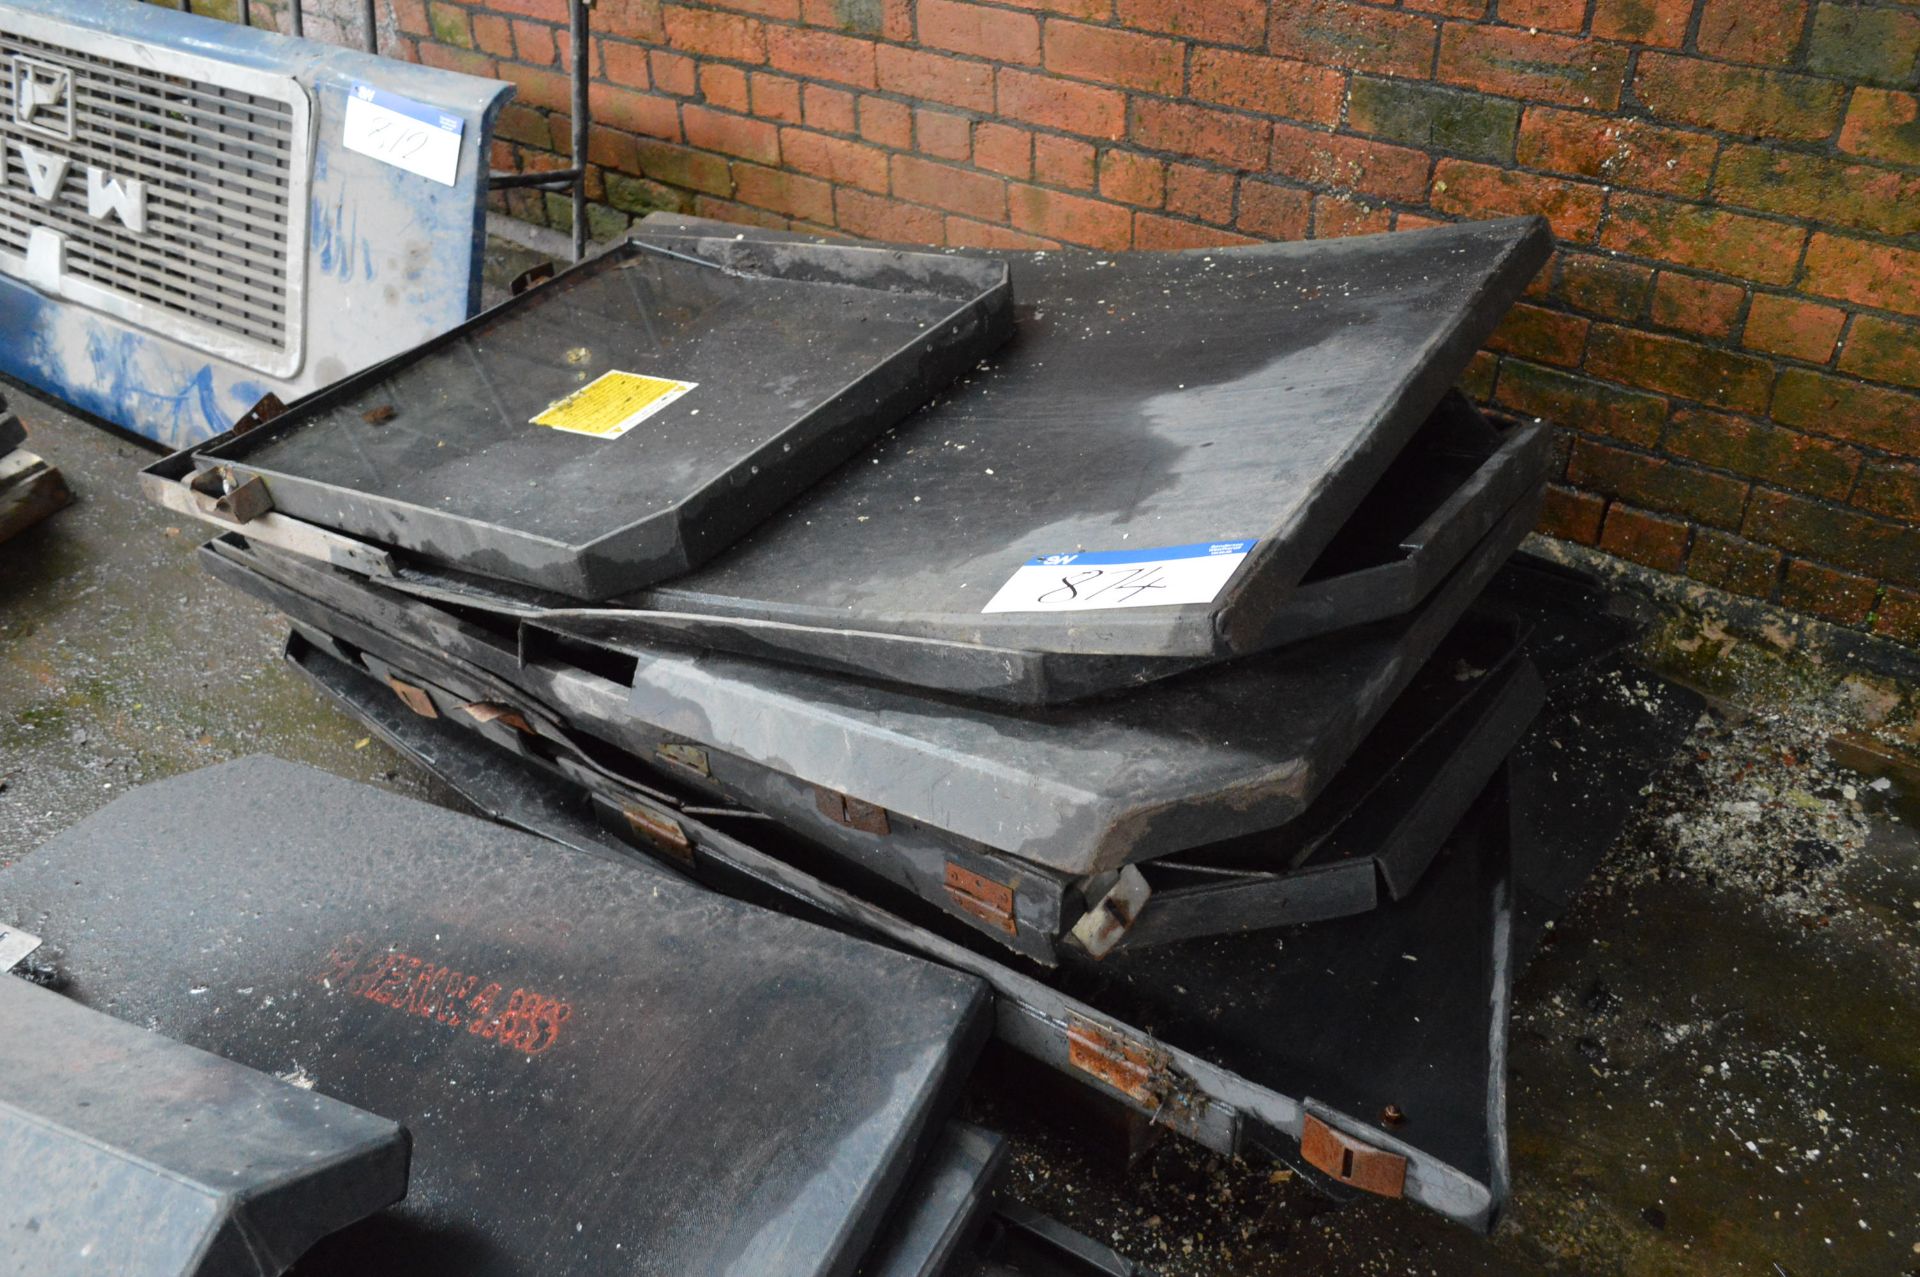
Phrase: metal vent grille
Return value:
(219, 258)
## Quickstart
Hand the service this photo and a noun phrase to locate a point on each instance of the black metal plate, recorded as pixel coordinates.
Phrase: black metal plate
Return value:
(1147, 400)
(125, 1153)
(633, 1074)
(801, 353)
(1435, 505)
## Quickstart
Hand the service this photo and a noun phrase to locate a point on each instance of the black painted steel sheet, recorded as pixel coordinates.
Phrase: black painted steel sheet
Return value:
(631, 418)
(604, 1067)
(126, 1154)
(1149, 403)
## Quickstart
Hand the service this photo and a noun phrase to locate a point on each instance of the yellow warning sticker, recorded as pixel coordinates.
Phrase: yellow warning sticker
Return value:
(612, 404)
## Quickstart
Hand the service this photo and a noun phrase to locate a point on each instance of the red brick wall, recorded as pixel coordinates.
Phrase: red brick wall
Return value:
(1727, 333)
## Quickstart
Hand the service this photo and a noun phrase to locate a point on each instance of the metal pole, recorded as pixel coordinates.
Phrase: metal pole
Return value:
(372, 21)
(299, 19)
(578, 27)
(246, 13)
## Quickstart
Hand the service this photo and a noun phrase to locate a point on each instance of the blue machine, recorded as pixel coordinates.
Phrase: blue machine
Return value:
(194, 214)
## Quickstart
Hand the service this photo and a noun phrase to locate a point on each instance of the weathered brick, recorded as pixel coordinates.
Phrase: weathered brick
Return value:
(1662, 22)
(1763, 104)
(533, 42)
(1898, 615)
(942, 135)
(521, 124)
(634, 19)
(1705, 307)
(1133, 179)
(1856, 270)
(740, 214)
(1700, 496)
(645, 113)
(1630, 153)
(1784, 458)
(877, 217)
(1063, 104)
(472, 62)
(1819, 188)
(934, 77)
(1072, 219)
(1603, 286)
(1350, 163)
(1677, 367)
(1202, 193)
(1883, 126)
(1824, 592)
(1359, 37)
(1728, 563)
(1891, 488)
(1757, 31)
(964, 232)
(1242, 22)
(823, 55)
(626, 64)
(1791, 327)
(1572, 515)
(783, 10)
(1451, 8)
(1001, 148)
(829, 110)
(724, 87)
(1275, 212)
(1087, 10)
(837, 159)
(1476, 383)
(1270, 86)
(1466, 188)
(1127, 58)
(958, 190)
(1552, 15)
(1537, 66)
(1429, 116)
(1544, 336)
(1155, 232)
(715, 35)
(493, 34)
(1703, 237)
(1201, 133)
(794, 194)
(612, 149)
(1877, 46)
(450, 24)
(682, 166)
(885, 122)
(711, 130)
(1841, 408)
(1063, 161)
(1335, 216)
(1882, 350)
(1644, 538)
(1580, 403)
(673, 72)
(999, 34)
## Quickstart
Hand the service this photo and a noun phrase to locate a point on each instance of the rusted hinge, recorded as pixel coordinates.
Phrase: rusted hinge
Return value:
(1132, 1068)
(237, 503)
(659, 830)
(851, 812)
(532, 277)
(983, 898)
(691, 757)
(413, 698)
(489, 712)
(1341, 1157)
(1102, 927)
(265, 409)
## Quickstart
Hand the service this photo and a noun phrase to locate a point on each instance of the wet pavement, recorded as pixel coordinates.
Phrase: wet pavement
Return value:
(1716, 1059)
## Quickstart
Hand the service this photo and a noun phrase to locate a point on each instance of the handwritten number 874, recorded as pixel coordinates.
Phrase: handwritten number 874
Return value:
(1091, 583)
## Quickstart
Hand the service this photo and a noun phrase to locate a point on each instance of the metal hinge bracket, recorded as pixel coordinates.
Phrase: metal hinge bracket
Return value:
(1341, 1157)
(982, 898)
(851, 812)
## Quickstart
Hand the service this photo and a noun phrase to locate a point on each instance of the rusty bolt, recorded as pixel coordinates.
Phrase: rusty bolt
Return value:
(1392, 1116)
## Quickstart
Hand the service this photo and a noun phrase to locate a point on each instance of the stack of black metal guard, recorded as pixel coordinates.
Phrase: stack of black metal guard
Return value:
(1165, 670)
(30, 489)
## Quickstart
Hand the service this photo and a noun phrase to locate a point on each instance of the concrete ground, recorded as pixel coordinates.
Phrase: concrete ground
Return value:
(1716, 1064)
